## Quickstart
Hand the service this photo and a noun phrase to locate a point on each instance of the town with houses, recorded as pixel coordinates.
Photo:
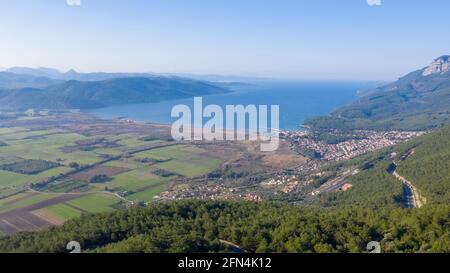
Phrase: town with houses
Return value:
(360, 142)
(357, 143)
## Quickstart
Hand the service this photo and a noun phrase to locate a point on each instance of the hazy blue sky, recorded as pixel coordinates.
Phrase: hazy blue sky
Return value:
(329, 39)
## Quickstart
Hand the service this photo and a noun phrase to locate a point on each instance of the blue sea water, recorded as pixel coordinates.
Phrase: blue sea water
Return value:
(297, 100)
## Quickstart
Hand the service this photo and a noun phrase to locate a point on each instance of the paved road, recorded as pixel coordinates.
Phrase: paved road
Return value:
(336, 183)
(412, 196)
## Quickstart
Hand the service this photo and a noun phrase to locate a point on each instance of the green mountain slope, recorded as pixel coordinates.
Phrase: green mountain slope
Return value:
(417, 101)
(82, 95)
(429, 166)
(425, 161)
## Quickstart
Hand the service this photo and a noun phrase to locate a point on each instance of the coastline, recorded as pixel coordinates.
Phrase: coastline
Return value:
(298, 101)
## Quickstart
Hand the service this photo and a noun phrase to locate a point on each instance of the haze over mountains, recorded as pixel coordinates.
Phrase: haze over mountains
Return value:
(57, 75)
(10, 80)
(418, 101)
(44, 88)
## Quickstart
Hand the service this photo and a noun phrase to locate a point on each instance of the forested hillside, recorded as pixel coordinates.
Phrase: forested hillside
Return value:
(428, 166)
(197, 226)
(372, 188)
(93, 94)
(425, 161)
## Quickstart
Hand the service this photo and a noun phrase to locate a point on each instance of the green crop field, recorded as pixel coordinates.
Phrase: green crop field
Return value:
(14, 198)
(185, 160)
(148, 194)
(95, 202)
(4, 131)
(7, 204)
(130, 141)
(70, 186)
(166, 153)
(63, 212)
(191, 167)
(10, 179)
(61, 147)
(107, 151)
(49, 148)
(29, 134)
(9, 159)
(51, 172)
(135, 180)
(123, 164)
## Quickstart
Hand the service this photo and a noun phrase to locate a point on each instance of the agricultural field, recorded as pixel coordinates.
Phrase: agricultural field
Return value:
(27, 134)
(93, 203)
(70, 186)
(5, 131)
(185, 160)
(64, 211)
(48, 148)
(133, 141)
(128, 164)
(58, 214)
(191, 167)
(52, 173)
(135, 180)
(179, 152)
(149, 194)
(24, 199)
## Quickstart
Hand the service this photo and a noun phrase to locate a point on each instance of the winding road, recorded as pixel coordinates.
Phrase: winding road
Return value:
(413, 199)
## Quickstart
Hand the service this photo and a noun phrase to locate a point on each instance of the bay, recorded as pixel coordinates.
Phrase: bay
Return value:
(297, 100)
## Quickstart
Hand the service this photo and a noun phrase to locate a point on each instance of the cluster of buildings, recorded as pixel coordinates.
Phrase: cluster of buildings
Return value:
(289, 183)
(280, 180)
(360, 142)
(202, 191)
(249, 197)
(212, 191)
(309, 166)
(292, 187)
(355, 143)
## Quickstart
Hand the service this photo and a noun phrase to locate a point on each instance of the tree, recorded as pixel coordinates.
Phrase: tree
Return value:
(74, 165)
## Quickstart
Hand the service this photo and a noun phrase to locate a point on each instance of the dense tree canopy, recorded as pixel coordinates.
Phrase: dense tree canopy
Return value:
(197, 226)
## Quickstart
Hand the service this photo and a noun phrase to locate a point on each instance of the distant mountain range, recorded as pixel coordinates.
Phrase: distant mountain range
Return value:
(55, 74)
(44, 88)
(417, 101)
(10, 80)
